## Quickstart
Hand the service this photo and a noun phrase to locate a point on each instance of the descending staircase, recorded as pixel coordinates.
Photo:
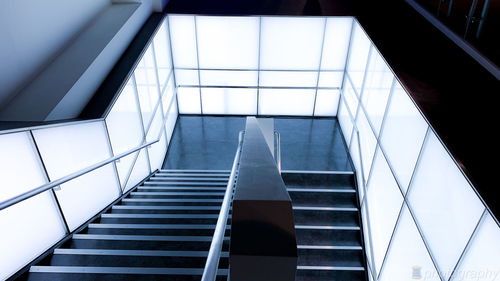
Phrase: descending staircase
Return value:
(327, 226)
(161, 231)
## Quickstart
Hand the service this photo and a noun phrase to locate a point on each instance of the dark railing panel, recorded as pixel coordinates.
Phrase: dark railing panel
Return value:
(263, 244)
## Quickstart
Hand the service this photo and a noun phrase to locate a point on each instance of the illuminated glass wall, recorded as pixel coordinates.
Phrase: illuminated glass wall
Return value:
(422, 217)
(145, 111)
(259, 65)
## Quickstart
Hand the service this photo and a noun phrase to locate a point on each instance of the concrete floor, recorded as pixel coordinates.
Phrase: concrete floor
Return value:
(210, 143)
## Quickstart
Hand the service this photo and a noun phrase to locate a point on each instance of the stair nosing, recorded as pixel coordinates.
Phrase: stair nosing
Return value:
(121, 270)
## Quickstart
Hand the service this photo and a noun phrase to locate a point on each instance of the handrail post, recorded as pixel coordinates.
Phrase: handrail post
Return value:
(278, 150)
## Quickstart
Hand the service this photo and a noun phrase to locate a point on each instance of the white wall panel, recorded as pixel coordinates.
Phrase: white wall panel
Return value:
(67, 149)
(183, 40)
(358, 56)
(228, 42)
(171, 116)
(482, 260)
(228, 78)
(403, 135)
(186, 77)
(336, 44)
(444, 203)
(189, 100)
(327, 102)
(408, 258)
(368, 142)
(162, 53)
(345, 121)
(377, 87)
(124, 127)
(286, 102)
(291, 42)
(330, 79)
(229, 101)
(139, 171)
(32, 226)
(384, 201)
(288, 78)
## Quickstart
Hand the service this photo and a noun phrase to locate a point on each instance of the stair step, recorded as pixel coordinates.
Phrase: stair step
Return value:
(328, 273)
(338, 180)
(326, 216)
(195, 171)
(156, 194)
(154, 229)
(142, 242)
(328, 235)
(131, 258)
(172, 202)
(128, 209)
(184, 183)
(117, 273)
(323, 197)
(181, 188)
(194, 179)
(160, 218)
(330, 257)
(192, 175)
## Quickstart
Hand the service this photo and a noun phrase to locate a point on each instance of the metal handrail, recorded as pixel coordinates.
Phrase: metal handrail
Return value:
(55, 183)
(212, 264)
(278, 150)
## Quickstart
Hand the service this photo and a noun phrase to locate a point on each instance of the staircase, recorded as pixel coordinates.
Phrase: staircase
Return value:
(327, 226)
(161, 231)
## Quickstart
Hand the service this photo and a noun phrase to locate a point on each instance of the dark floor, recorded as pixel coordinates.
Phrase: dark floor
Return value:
(210, 143)
(454, 92)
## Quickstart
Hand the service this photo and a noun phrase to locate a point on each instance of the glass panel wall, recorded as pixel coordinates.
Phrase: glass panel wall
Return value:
(422, 218)
(259, 65)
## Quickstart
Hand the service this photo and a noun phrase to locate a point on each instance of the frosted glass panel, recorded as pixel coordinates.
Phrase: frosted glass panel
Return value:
(228, 78)
(327, 102)
(85, 196)
(67, 149)
(124, 127)
(358, 56)
(350, 98)
(355, 156)
(162, 53)
(345, 121)
(156, 125)
(28, 229)
(444, 203)
(139, 172)
(229, 101)
(330, 79)
(288, 79)
(337, 35)
(189, 100)
(403, 135)
(482, 260)
(291, 43)
(147, 87)
(407, 258)
(384, 202)
(186, 77)
(228, 42)
(368, 142)
(379, 80)
(157, 152)
(18, 159)
(171, 120)
(168, 95)
(183, 41)
(286, 102)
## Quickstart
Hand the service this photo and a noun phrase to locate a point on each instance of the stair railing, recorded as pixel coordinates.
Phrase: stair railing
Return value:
(28, 194)
(212, 264)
